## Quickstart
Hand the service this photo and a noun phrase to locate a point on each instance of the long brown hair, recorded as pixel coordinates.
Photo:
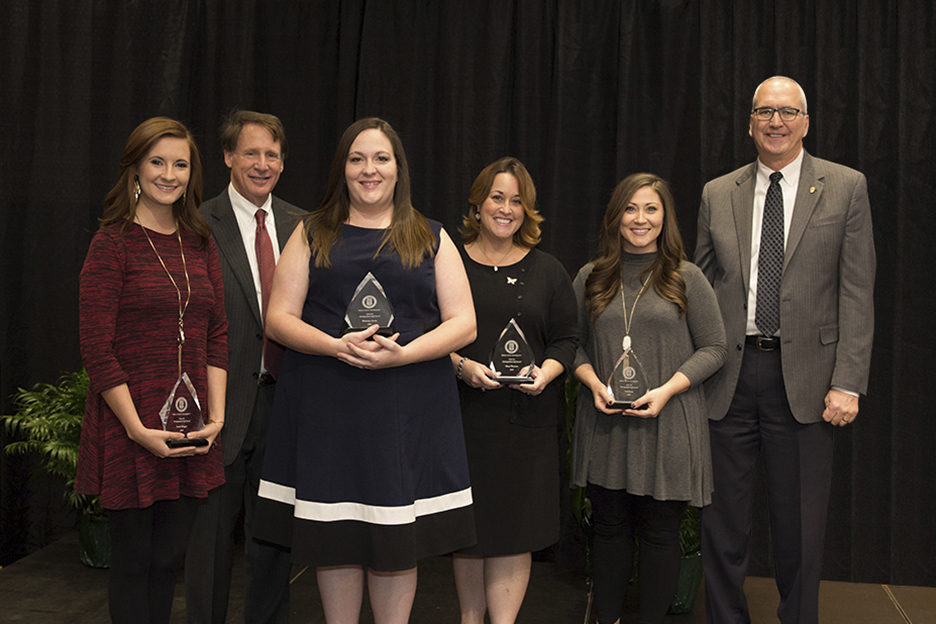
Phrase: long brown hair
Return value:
(528, 235)
(604, 281)
(120, 204)
(409, 234)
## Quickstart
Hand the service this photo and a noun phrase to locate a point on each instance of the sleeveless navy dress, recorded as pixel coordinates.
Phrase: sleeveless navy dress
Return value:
(366, 467)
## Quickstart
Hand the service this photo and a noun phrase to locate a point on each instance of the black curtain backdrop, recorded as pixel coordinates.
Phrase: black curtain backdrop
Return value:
(583, 93)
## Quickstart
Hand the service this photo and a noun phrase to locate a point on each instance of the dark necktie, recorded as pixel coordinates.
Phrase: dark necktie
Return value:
(770, 260)
(272, 351)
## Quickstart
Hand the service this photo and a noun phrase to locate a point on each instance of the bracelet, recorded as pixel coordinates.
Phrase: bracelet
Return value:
(216, 422)
(458, 370)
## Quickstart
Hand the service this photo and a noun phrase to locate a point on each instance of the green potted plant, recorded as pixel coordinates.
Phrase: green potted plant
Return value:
(47, 420)
(690, 563)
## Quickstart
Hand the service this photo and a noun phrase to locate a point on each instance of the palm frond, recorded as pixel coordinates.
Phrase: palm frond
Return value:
(47, 420)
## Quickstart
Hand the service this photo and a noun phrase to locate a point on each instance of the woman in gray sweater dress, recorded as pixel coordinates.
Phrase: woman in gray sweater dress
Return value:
(643, 461)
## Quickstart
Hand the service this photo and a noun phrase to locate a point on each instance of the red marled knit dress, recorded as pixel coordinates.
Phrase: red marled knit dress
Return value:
(129, 313)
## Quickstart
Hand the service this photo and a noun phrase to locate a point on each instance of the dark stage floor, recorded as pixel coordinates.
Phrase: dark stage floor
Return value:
(52, 586)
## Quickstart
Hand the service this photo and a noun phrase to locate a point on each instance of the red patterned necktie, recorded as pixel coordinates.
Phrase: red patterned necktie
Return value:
(272, 351)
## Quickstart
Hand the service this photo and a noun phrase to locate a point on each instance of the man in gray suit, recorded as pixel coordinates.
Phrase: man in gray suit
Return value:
(791, 259)
(255, 150)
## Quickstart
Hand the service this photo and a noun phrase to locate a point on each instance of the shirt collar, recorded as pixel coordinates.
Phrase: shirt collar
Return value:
(791, 173)
(245, 207)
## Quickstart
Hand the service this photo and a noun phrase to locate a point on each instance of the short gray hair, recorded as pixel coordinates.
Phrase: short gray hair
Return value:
(799, 88)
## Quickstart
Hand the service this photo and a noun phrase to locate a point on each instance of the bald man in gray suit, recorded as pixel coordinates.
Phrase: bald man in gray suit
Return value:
(791, 259)
(255, 150)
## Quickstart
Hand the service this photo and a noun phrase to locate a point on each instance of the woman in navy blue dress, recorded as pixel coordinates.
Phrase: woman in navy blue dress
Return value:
(365, 470)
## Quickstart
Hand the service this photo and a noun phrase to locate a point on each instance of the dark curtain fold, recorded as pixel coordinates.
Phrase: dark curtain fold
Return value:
(582, 92)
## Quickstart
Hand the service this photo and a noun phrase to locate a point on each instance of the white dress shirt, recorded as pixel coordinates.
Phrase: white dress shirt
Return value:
(245, 212)
(788, 184)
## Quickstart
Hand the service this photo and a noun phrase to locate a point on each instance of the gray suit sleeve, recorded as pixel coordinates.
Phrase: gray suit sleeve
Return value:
(704, 251)
(705, 326)
(856, 294)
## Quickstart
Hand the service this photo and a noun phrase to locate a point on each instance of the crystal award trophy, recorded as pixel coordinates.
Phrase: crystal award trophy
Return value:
(512, 356)
(182, 411)
(369, 306)
(627, 382)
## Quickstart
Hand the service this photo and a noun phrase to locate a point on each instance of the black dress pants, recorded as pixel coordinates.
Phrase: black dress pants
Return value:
(147, 550)
(618, 517)
(210, 556)
(798, 465)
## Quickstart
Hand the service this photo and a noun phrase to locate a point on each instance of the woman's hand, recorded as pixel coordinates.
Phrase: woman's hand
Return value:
(154, 441)
(657, 398)
(586, 374)
(532, 389)
(542, 377)
(368, 350)
(603, 400)
(654, 400)
(210, 432)
(217, 395)
(477, 375)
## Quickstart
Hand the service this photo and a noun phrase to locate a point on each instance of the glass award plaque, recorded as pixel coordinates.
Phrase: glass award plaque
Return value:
(369, 306)
(182, 411)
(627, 382)
(512, 356)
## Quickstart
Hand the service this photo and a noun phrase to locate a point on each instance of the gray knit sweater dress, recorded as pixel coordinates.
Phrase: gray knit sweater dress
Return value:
(667, 457)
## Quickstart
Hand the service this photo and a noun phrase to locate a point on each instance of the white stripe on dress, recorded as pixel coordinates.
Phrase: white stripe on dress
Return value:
(373, 514)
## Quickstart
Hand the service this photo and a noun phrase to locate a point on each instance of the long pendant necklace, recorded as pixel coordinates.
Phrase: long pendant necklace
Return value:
(188, 286)
(488, 258)
(626, 343)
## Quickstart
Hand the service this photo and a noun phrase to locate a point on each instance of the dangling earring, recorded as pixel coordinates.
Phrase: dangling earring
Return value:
(136, 189)
(183, 197)
(478, 216)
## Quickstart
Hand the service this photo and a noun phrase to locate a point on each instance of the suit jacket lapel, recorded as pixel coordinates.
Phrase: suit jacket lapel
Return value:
(231, 245)
(742, 203)
(808, 193)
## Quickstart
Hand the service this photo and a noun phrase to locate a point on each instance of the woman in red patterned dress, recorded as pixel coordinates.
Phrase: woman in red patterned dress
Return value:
(151, 307)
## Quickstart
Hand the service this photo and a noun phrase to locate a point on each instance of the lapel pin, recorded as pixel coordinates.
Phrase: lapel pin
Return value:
(812, 189)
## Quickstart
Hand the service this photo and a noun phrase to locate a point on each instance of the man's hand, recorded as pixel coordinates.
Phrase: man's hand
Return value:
(841, 408)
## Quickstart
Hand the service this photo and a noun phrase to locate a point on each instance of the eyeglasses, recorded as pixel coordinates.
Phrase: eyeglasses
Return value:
(765, 113)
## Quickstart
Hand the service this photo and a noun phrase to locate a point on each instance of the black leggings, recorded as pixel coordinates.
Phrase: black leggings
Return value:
(618, 516)
(147, 550)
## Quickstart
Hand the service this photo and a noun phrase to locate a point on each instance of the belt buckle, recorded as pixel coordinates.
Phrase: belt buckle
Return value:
(767, 343)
